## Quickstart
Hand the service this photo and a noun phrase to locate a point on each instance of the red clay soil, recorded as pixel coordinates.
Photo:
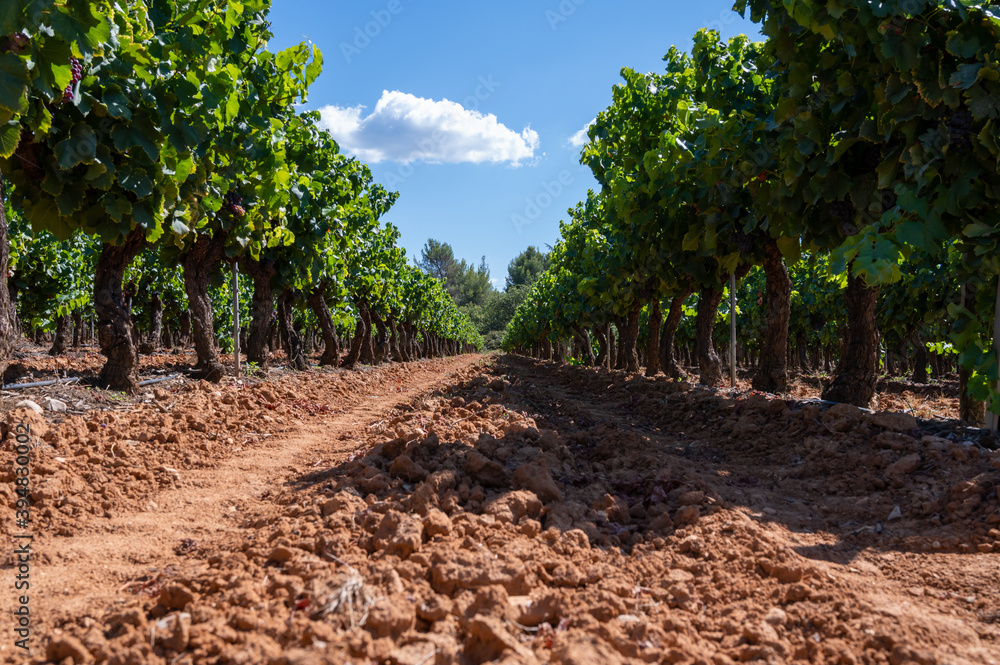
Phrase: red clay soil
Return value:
(477, 510)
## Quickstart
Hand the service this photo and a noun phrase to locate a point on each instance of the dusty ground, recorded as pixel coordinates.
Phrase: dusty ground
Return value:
(475, 510)
(935, 400)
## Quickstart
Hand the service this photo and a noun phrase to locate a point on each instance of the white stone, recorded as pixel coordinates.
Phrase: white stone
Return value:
(55, 404)
(28, 404)
(896, 514)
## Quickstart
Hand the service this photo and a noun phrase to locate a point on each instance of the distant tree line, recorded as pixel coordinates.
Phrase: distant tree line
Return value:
(470, 287)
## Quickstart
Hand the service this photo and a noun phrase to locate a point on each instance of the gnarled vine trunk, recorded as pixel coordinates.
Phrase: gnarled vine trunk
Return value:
(612, 346)
(184, 318)
(198, 263)
(395, 354)
(583, 335)
(772, 372)
(858, 370)
(293, 342)
(402, 343)
(367, 344)
(77, 328)
(653, 344)
(360, 332)
(602, 347)
(630, 338)
(331, 344)
(156, 321)
(667, 360)
(619, 353)
(261, 310)
(411, 339)
(60, 344)
(709, 362)
(380, 339)
(114, 323)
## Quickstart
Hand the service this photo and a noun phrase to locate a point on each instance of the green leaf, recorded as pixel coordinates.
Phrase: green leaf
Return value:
(78, 148)
(61, 74)
(924, 234)
(135, 180)
(888, 168)
(787, 109)
(45, 216)
(144, 217)
(978, 230)
(184, 169)
(72, 197)
(790, 248)
(981, 103)
(179, 227)
(117, 207)
(965, 76)
(315, 68)
(962, 46)
(234, 13)
(139, 133)
(117, 105)
(10, 137)
(11, 19)
(86, 38)
(691, 240)
(232, 107)
(14, 81)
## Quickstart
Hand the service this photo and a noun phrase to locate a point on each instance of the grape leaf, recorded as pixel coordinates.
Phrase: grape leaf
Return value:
(965, 76)
(10, 136)
(86, 38)
(137, 134)
(79, 147)
(14, 79)
(136, 180)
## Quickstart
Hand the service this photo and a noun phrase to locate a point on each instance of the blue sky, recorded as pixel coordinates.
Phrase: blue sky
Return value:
(469, 109)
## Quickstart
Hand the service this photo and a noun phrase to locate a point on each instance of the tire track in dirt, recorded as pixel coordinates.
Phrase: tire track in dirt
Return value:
(84, 573)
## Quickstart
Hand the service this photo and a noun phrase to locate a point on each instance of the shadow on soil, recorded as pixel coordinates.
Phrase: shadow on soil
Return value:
(627, 459)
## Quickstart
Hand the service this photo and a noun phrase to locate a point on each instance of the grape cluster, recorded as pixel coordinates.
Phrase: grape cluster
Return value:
(843, 212)
(77, 77)
(14, 43)
(234, 204)
(744, 243)
(960, 130)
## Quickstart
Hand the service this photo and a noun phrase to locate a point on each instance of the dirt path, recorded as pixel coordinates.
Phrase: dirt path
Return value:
(514, 512)
(78, 574)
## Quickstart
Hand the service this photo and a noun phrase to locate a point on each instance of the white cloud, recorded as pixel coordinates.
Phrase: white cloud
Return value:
(581, 139)
(405, 128)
